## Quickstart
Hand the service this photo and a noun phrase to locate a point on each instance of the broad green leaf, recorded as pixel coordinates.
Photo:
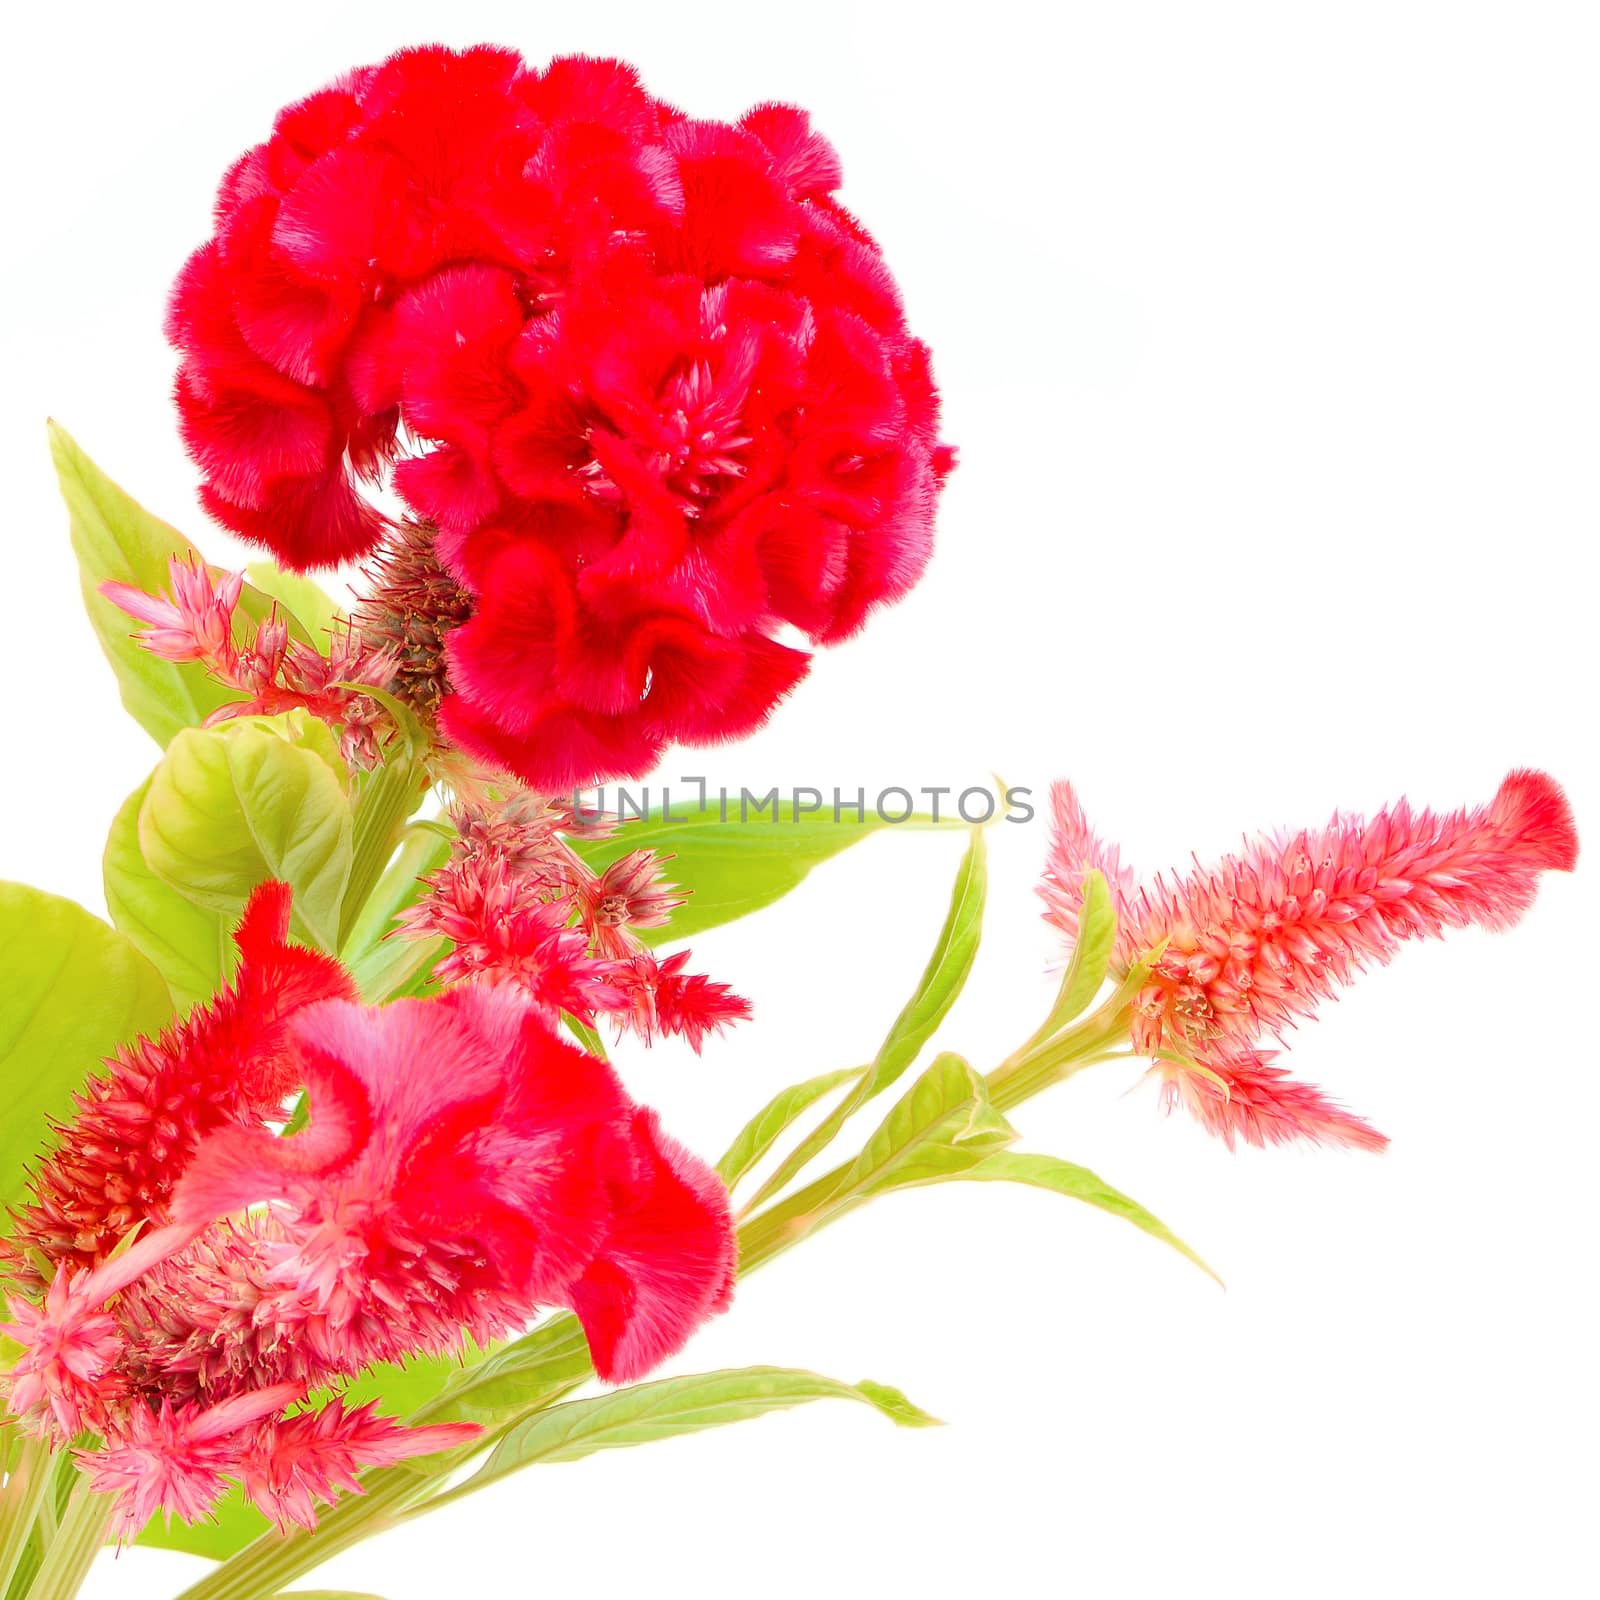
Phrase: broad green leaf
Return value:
(1077, 1183)
(74, 990)
(764, 1129)
(188, 944)
(300, 598)
(645, 1412)
(939, 1128)
(732, 868)
(116, 540)
(256, 798)
(941, 982)
(1091, 956)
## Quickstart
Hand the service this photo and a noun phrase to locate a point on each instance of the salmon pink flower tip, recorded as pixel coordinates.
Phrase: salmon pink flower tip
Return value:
(294, 1463)
(648, 387)
(1251, 945)
(69, 1348)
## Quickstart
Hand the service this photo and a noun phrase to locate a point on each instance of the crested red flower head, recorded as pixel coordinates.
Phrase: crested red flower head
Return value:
(1260, 940)
(656, 390)
(133, 1129)
(462, 1166)
(188, 1274)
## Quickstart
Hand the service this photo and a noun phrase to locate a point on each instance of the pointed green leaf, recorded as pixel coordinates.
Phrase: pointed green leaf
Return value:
(251, 799)
(645, 1412)
(1091, 956)
(729, 867)
(941, 983)
(1077, 1183)
(530, 1372)
(116, 540)
(188, 944)
(765, 1128)
(942, 1125)
(74, 990)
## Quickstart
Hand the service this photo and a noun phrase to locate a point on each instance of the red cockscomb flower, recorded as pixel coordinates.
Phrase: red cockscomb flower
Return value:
(655, 386)
(501, 1170)
(1260, 940)
(132, 1130)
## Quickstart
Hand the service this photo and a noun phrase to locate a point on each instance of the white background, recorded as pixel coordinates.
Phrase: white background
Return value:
(1270, 339)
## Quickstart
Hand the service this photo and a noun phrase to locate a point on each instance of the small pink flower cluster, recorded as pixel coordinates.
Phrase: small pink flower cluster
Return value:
(270, 668)
(1244, 949)
(189, 1274)
(519, 905)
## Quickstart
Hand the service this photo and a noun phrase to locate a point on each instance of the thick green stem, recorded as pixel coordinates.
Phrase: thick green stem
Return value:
(392, 794)
(266, 1567)
(77, 1541)
(27, 1484)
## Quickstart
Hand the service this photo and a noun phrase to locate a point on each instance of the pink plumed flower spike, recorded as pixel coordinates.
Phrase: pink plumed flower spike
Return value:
(1257, 942)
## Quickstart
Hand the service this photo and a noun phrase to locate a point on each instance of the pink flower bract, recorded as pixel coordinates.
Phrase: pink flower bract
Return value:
(1251, 945)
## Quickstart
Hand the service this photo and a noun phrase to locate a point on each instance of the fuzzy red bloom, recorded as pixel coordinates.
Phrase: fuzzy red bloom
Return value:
(662, 393)
(1260, 940)
(226, 1064)
(502, 1169)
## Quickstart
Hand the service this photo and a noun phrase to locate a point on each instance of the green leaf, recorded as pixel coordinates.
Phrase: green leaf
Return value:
(588, 1037)
(299, 598)
(1077, 1183)
(939, 1128)
(74, 990)
(116, 540)
(251, 799)
(519, 1377)
(188, 944)
(323, 1594)
(944, 977)
(732, 868)
(1091, 956)
(764, 1129)
(645, 1412)
(942, 981)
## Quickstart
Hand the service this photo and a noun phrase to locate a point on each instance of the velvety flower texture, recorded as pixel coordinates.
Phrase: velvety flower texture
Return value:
(1260, 940)
(462, 1168)
(134, 1128)
(648, 381)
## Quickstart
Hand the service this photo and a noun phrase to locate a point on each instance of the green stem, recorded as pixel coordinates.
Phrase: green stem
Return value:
(77, 1541)
(275, 1560)
(27, 1484)
(263, 1568)
(392, 793)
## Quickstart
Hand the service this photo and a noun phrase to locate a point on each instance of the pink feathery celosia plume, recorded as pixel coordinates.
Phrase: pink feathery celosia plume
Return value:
(1260, 940)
